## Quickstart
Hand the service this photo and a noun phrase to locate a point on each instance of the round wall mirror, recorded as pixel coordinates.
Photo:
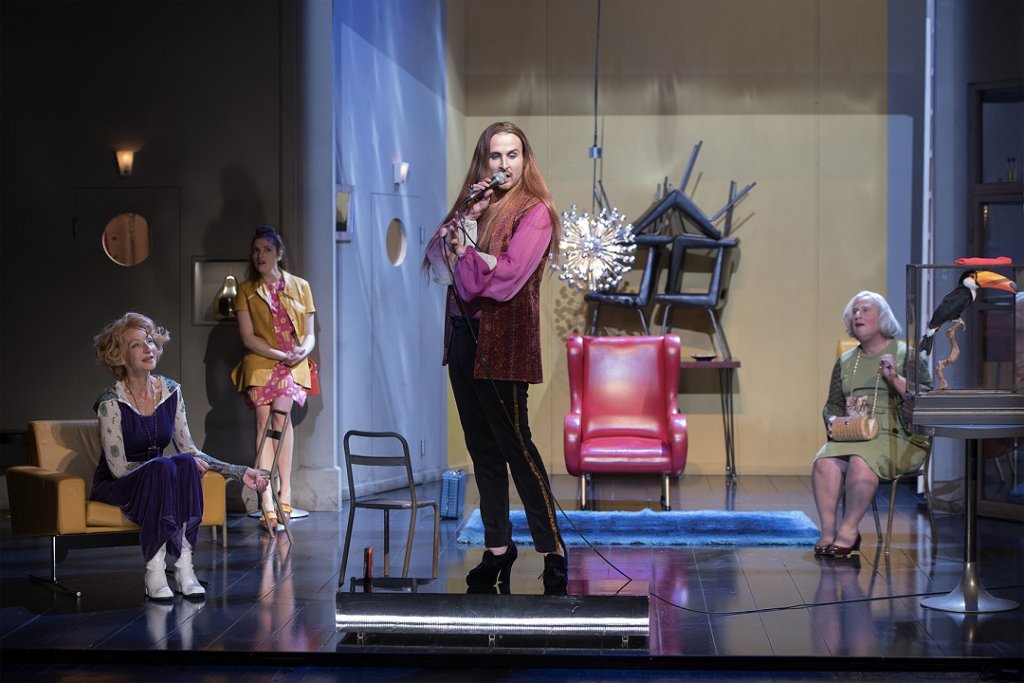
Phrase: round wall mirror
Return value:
(396, 242)
(126, 239)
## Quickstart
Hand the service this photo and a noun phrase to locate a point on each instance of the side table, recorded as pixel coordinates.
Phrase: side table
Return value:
(726, 369)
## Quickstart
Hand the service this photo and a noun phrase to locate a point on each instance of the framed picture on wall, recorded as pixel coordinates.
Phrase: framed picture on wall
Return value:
(214, 286)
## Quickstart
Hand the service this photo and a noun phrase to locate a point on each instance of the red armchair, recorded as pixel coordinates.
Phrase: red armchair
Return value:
(624, 416)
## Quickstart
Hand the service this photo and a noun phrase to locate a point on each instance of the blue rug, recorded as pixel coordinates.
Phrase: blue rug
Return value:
(671, 528)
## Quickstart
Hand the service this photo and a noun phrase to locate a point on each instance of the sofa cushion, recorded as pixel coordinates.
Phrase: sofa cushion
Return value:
(105, 514)
(51, 495)
(625, 454)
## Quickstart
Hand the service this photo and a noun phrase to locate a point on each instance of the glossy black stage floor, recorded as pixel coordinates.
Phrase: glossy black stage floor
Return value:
(742, 613)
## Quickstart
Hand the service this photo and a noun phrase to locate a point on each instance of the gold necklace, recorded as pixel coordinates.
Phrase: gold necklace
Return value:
(153, 451)
(138, 404)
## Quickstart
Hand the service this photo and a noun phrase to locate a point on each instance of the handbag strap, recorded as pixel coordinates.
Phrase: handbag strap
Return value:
(878, 376)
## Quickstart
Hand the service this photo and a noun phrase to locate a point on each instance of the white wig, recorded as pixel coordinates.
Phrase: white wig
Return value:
(887, 323)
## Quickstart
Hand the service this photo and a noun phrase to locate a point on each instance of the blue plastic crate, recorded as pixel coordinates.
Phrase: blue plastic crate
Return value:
(453, 494)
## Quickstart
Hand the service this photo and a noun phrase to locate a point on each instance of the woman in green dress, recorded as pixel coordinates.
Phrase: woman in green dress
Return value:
(868, 379)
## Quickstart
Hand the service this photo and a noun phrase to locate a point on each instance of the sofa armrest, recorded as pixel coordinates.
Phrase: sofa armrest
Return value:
(45, 502)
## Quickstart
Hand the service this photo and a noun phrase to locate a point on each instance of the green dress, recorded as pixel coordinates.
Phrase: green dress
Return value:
(895, 450)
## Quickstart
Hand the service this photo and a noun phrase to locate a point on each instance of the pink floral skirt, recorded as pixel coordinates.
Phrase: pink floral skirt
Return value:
(281, 384)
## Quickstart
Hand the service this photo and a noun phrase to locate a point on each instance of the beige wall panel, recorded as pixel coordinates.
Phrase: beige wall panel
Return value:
(853, 37)
(455, 100)
(853, 224)
(790, 94)
(679, 57)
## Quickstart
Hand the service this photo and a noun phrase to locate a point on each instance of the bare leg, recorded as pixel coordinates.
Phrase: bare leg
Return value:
(826, 481)
(861, 485)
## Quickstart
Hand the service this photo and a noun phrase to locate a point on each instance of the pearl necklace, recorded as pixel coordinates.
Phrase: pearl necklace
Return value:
(878, 376)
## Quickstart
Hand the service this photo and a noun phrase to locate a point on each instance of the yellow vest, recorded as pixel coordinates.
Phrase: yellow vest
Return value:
(297, 299)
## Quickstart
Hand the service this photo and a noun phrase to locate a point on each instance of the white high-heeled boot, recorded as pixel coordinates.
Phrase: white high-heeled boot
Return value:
(156, 578)
(188, 584)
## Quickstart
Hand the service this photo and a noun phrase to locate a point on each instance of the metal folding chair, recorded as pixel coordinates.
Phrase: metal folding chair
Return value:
(406, 498)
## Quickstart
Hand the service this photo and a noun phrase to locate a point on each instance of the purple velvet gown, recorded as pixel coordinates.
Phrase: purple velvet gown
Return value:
(163, 495)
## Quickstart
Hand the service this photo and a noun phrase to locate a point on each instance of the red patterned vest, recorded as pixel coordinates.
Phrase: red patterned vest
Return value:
(509, 340)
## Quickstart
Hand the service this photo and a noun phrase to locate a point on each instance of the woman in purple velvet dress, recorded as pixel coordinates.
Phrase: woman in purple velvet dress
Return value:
(139, 415)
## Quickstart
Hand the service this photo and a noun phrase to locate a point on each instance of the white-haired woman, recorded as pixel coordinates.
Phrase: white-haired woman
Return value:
(868, 379)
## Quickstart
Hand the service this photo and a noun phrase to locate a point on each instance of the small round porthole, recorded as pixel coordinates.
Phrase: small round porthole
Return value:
(127, 240)
(396, 242)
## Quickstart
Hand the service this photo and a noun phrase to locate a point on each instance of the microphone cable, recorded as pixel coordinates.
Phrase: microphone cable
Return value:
(546, 484)
(808, 605)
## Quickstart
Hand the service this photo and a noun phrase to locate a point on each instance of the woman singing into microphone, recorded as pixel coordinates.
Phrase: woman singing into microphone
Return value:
(491, 250)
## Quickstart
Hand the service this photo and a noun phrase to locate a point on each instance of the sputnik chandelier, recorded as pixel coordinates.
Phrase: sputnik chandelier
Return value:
(595, 252)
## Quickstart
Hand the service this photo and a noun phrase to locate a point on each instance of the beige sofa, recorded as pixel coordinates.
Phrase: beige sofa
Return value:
(50, 497)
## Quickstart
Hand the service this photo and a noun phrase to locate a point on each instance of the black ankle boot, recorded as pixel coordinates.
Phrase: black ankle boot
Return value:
(556, 575)
(492, 568)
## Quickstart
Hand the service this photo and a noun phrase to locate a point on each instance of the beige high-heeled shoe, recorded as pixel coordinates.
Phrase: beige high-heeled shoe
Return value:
(268, 521)
(286, 513)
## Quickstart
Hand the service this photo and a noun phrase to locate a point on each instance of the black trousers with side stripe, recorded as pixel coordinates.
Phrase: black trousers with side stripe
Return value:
(495, 423)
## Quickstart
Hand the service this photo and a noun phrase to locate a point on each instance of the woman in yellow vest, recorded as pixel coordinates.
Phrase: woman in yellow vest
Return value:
(275, 318)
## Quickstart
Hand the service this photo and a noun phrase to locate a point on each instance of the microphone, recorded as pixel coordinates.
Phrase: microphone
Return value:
(497, 179)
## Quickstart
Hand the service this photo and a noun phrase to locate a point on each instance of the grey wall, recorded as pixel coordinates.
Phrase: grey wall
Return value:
(976, 42)
(906, 81)
(198, 88)
(231, 105)
(390, 107)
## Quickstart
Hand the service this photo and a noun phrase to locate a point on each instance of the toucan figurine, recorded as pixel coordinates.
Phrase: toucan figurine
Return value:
(954, 303)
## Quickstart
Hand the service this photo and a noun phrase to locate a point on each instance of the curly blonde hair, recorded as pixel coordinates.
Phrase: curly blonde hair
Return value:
(109, 343)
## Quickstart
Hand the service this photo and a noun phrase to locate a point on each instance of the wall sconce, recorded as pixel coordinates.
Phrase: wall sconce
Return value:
(125, 158)
(224, 303)
(401, 172)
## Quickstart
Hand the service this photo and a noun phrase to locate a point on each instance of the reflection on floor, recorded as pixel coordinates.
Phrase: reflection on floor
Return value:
(271, 607)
